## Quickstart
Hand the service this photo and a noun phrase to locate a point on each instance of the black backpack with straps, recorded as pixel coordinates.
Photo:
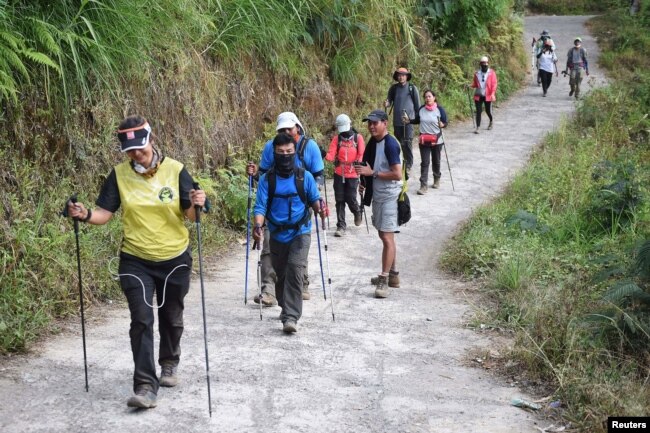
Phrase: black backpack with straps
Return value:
(299, 179)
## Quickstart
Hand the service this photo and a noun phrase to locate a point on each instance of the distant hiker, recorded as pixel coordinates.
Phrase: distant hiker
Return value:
(345, 149)
(577, 64)
(308, 156)
(485, 85)
(538, 44)
(403, 97)
(383, 184)
(547, 65)
(285, 194)
(156, 195)
(431, 117)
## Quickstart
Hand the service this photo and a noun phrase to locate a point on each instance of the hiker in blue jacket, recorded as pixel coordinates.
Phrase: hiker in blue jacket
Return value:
(285, 194)
(308, 156)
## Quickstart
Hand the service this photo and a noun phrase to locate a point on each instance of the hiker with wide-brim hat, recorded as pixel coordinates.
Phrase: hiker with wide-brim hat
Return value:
(382, 171)
(403, 98)
(308, 156)
(346, 148)
(156, 195)
(285, 195)
(485, 91)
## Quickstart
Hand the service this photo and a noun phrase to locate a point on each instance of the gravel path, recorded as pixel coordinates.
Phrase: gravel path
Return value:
(393, 365)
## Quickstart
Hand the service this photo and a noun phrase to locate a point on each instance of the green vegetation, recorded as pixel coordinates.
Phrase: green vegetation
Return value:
(564, 254)
(210, 75)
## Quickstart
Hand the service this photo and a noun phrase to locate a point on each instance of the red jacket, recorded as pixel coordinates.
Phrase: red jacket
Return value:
(347, 154)
(490, 86)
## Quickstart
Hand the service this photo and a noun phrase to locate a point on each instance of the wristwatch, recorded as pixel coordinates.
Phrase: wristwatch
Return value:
(375, 174)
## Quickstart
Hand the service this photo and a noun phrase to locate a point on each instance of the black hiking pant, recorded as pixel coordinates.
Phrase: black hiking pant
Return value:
(170, 312)
(290, 262)
(430, 153)
(479, 109)
(345, 193)
(547, 77)
(404, 134)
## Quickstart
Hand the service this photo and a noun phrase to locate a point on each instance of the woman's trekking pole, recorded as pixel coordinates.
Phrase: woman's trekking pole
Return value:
(442, 134)
(197, 219)
(257, 246)
(320, 258)
(248, 235)
(73, 200)
(471, 110)
(329, 276)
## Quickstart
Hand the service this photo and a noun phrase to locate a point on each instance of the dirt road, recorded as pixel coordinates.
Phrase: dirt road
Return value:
(392, 365)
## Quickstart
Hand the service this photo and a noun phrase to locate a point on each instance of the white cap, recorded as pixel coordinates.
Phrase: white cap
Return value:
(287, 120)
(343, 123)
(484, 59)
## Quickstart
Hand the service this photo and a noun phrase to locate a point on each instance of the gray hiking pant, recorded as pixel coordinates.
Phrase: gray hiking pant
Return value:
(575, 79)
(290, 262)
(269, 276)
(404, 134)
(429, 154)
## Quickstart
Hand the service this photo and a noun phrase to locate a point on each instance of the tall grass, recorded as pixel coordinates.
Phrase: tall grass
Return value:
(562, 250)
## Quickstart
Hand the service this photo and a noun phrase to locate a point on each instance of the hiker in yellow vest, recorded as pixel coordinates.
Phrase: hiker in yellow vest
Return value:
(156, 194)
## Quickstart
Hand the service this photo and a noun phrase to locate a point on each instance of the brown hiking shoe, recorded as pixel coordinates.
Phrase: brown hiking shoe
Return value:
(423, 190)
(268, 300)
(168, 376)
(339, 232)
(382, 290)
(393, 280)
(144, 398)
(436, 183)
(358, 218)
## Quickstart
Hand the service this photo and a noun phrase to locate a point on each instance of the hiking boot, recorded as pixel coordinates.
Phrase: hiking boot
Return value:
(144, 398)
(168, 376)
(289, 327)
(423, 190)
(339, 233)
(476, 131)
(268, 300)
(393, 280)
(306, 296)
(571, 92)
(544, 94)
(436, 183)
(358, 218)
(382, 290)
(490, 125)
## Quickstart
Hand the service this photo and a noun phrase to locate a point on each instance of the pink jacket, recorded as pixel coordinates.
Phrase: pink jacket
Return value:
(490, 86)
(346, 156)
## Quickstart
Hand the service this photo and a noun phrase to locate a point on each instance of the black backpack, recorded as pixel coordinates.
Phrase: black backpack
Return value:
(299, 178)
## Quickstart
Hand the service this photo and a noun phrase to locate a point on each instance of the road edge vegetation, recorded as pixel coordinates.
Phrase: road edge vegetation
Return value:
(563, 255)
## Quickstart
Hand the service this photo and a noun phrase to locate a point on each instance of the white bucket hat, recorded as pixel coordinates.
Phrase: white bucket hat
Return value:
(288, 120)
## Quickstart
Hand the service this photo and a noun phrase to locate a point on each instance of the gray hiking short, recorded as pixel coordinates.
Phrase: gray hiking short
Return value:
(384, 216)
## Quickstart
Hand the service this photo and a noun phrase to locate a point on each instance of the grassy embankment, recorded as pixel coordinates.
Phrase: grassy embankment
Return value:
(564, 254)
(211, 76)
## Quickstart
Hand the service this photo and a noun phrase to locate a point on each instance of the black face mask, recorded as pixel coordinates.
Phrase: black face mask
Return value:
(285, 163)
(484, 68)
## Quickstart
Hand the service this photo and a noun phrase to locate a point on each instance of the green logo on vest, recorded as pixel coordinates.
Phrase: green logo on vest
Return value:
(166, 195)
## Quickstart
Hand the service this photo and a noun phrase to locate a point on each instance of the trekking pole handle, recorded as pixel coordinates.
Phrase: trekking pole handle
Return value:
(73, 200)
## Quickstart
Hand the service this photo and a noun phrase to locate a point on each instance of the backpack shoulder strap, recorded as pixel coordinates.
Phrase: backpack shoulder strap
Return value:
(299, 178)
(303, 145)
(412, 93)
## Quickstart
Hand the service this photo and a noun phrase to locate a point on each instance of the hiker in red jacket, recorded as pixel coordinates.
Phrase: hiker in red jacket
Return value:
(345, 149)
(485, 85)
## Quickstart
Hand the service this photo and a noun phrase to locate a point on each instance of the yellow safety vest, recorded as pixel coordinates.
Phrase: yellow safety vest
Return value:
(152, 217)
